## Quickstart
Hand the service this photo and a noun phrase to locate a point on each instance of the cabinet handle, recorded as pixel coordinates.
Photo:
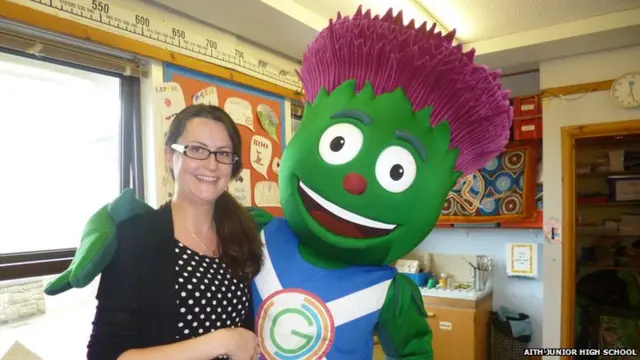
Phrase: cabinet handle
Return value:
(430, 314)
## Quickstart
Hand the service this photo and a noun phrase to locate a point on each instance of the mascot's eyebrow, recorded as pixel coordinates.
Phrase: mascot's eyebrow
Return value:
(413, 141)
(353, 114)
(365, 119)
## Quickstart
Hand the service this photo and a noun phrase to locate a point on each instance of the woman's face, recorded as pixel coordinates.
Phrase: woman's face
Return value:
(202, 180)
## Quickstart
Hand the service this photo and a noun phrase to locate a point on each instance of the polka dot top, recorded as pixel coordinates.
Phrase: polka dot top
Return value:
(209, 297)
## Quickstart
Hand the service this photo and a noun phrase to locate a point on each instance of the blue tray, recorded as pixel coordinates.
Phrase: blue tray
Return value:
(420, 279)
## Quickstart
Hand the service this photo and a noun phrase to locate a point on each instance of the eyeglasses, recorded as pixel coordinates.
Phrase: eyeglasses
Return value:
(202, 153)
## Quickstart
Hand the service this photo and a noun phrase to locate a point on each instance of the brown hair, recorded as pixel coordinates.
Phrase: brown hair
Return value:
(238, 239)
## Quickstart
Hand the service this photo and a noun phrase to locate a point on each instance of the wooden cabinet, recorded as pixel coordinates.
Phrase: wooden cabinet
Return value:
(460, 327)
(378, 354)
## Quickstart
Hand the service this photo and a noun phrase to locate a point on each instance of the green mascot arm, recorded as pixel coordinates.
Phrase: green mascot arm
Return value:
(402, 328)
(261, 217)
(98, 243)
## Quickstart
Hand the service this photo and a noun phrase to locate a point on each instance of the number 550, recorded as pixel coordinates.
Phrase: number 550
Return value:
(100, 6)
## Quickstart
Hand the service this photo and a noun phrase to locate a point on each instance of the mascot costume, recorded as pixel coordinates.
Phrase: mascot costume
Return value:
(394, 116)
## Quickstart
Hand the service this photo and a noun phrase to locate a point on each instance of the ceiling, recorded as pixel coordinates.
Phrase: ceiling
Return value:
(514, 35)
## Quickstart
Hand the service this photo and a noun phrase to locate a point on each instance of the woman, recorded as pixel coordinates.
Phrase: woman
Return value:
(178, 287)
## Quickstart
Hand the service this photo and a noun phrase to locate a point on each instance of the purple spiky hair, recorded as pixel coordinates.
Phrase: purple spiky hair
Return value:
(427, 66)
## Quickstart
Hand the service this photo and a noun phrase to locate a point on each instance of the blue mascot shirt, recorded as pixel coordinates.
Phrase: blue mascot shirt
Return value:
(306, 312)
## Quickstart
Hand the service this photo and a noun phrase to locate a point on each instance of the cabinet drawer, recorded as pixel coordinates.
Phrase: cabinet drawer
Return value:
(453, 333)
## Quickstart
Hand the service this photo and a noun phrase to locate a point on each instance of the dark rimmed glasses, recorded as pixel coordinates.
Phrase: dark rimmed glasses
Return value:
(202, 153)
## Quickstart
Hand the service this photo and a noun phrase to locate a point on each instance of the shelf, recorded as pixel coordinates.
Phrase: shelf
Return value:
(595, 231)
(608, 142)
(619, 203)
(610, 267)
(607, 174)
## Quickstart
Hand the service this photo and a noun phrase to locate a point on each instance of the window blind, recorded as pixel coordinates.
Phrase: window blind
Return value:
(40, 43)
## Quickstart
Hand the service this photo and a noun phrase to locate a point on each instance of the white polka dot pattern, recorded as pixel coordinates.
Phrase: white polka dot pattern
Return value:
(209, 297)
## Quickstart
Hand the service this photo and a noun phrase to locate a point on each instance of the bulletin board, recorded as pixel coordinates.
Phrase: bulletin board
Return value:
(260, 118)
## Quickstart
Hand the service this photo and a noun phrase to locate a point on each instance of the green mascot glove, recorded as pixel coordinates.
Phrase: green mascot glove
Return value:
(98, 244)
(261, 217)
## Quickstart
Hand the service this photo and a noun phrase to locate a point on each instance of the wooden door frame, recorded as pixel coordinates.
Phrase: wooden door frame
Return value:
(568, 135)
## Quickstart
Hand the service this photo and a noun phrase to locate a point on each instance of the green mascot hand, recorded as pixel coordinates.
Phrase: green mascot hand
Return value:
(261, 217)
(98, 244)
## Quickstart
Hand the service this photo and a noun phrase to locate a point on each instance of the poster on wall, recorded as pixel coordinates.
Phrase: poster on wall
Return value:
(168, 100)
(260, 119)
(297, 109)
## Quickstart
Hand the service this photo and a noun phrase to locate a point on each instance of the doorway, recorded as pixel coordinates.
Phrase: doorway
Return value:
(570, 137)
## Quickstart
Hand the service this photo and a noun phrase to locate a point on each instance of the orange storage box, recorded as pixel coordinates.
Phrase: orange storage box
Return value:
(527, 128)
(526, 106)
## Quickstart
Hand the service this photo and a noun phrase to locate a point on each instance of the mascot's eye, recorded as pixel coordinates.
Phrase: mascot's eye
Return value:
(340, 143)
(395, 169)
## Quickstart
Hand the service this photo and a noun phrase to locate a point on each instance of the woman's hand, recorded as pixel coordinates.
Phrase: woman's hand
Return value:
(238, 343)
(234, 343)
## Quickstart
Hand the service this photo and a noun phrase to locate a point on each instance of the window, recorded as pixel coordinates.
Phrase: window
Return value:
(63, 151)
(64, 157)
(71, 143)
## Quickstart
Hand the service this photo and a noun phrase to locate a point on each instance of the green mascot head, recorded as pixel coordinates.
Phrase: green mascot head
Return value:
(394, 116)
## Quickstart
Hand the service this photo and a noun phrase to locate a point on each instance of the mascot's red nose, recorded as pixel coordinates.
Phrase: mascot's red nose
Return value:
(354, 184)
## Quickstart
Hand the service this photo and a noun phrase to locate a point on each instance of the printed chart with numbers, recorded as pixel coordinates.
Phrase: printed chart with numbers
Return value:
(158, 27)
(260, 117)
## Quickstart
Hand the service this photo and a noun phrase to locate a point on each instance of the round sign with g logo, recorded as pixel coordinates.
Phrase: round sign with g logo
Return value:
(293, 324)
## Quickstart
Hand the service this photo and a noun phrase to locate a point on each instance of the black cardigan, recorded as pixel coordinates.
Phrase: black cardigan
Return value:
(137, 305)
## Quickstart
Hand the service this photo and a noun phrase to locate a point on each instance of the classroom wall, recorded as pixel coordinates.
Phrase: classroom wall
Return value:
(522, 85)
(559, 112)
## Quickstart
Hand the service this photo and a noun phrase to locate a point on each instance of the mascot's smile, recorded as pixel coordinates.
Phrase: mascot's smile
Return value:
(338, 220)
